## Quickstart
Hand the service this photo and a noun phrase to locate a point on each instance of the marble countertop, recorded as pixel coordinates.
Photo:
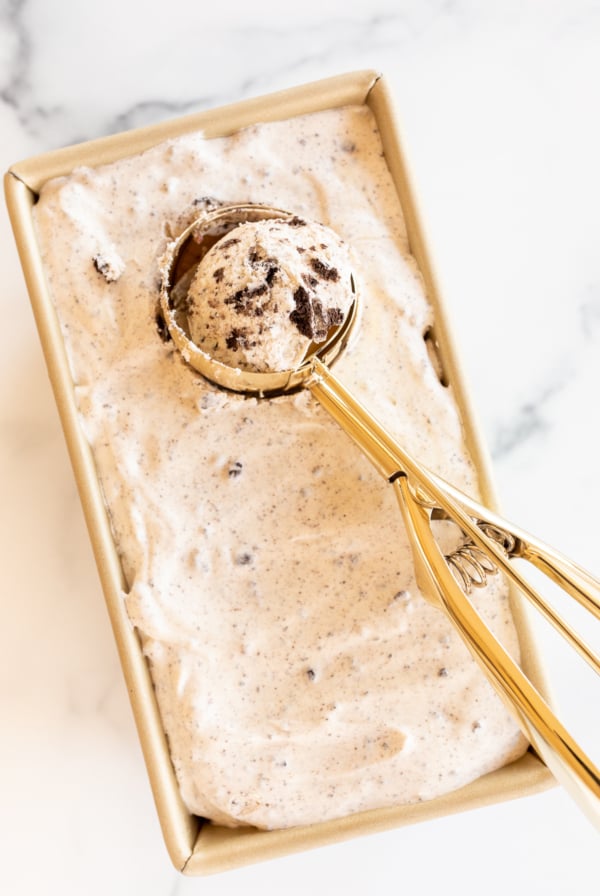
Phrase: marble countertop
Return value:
(498, 104)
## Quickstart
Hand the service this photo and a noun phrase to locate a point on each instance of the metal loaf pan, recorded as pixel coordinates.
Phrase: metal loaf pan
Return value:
(196, 847)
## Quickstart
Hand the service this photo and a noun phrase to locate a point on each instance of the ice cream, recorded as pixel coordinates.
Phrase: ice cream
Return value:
(268, 289)
(299, 674)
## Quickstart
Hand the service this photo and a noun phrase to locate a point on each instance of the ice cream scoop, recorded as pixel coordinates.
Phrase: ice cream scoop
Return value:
(491, 542)
(307, 319)
(267, 290)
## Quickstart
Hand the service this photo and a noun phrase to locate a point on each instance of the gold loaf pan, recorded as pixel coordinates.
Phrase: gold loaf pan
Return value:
(196, 847)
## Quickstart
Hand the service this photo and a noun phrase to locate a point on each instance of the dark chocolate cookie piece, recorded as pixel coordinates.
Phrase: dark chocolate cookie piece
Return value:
(323, 270)
(311, 318)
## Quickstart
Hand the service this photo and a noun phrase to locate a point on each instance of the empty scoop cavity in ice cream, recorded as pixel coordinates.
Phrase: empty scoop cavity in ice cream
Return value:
(267, 290)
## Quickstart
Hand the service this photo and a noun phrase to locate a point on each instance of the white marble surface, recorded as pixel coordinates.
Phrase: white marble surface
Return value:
(500, 109)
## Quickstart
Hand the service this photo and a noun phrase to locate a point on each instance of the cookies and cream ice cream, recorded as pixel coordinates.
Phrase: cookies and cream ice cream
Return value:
(267, 290)
(299, 673)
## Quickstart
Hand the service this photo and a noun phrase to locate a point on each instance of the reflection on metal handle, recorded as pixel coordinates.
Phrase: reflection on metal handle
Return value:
(418, 492)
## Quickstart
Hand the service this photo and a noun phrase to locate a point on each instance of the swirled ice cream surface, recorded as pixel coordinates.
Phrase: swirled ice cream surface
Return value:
(299, 673)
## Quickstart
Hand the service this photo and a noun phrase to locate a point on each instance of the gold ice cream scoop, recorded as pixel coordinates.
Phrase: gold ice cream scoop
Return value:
(491, 542)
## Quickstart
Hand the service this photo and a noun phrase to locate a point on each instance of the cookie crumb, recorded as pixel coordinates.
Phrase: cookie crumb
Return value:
(207, 202)
(302, 314)
(273, 270)
(161, 326)
(109, 264)
(324, 271)
(335, 317)
(310, 280)
(310, 318)
(242, 299)
(237, 339)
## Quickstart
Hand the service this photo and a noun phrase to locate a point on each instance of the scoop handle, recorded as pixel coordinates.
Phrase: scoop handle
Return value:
(418, 492)
(564, 757)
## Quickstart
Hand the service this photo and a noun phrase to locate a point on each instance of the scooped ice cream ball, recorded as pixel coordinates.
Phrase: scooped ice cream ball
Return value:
(266, 290)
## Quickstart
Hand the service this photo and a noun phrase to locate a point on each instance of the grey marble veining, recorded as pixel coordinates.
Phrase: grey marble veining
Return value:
(245, 55)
